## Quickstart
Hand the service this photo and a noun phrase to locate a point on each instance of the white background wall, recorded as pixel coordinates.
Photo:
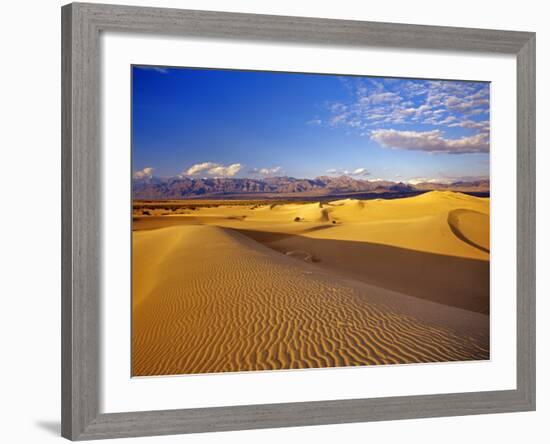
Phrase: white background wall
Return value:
(30, 220)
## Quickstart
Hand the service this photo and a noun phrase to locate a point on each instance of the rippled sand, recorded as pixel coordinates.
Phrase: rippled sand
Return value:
(239, 289)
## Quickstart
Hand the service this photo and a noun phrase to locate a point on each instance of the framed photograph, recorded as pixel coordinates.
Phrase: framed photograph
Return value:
(281, 221)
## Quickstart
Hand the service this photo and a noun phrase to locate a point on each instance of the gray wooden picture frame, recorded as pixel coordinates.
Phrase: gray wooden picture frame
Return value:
(81, 172)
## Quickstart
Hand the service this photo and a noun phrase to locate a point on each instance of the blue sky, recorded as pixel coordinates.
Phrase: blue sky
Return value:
(222, 123)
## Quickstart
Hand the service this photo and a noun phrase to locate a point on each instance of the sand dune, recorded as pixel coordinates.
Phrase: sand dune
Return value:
(417, 223)
(471, 227)
(219, 301)
(254, 286)
(420, 223)
(456, 281)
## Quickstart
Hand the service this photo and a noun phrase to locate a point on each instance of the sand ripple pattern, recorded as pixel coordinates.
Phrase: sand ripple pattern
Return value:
(218, 301)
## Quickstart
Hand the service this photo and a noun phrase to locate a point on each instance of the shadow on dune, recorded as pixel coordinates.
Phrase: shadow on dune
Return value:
(454, 225)
(449, 280)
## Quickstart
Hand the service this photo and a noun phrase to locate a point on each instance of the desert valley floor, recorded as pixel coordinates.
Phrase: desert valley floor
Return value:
(221, 286)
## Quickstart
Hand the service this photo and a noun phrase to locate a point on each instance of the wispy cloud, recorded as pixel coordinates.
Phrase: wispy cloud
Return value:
(387, 104)
(145, 173)
(212, 169)
(431, 141)
(314, 122)
(482, 126)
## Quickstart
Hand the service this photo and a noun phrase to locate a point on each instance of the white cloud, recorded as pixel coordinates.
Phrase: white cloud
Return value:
(213, 169)
(225, 171)
(200, 167)
(145, 173)
(431, 141)
(465, 105)
(360, 172)
(382, 97)
(484, 125)
(382, 103)
(270, 171)
(266, 171)
(342, 172)
(447, 120)
(417, 180)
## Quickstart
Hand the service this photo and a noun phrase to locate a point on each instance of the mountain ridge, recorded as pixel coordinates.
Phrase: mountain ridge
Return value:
(154, 188)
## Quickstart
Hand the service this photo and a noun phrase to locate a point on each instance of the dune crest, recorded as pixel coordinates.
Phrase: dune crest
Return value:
(471, 227)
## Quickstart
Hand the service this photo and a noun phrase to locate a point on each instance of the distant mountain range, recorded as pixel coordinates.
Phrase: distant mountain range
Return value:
(286, 187)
